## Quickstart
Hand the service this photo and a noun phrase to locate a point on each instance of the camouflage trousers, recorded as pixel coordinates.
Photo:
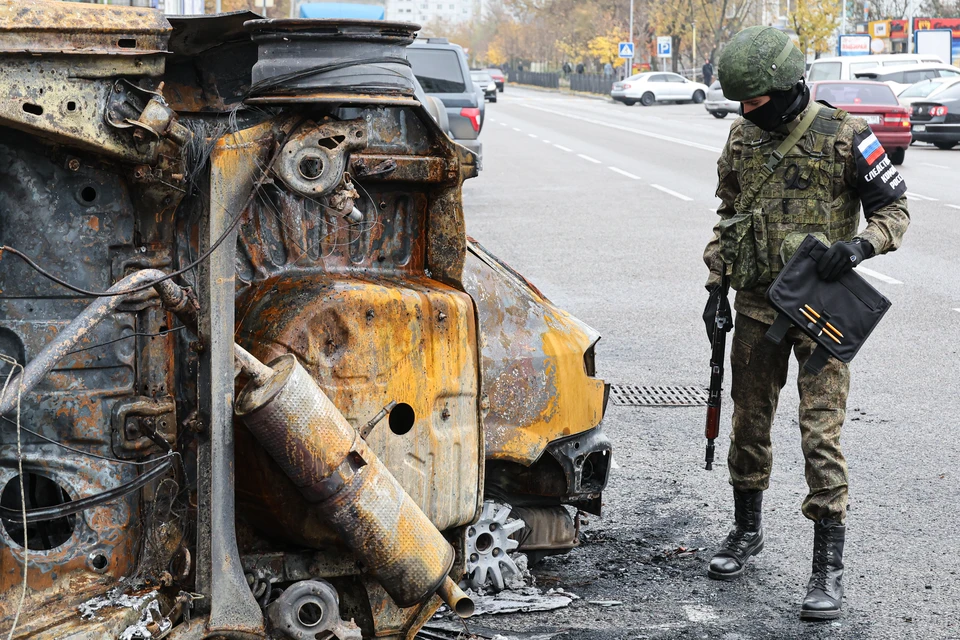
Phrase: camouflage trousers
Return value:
(759, 369)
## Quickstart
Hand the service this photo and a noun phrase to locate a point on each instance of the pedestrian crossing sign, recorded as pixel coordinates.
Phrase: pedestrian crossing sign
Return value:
(626, 49)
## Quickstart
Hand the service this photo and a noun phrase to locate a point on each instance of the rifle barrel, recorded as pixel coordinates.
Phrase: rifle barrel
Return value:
(717, 357)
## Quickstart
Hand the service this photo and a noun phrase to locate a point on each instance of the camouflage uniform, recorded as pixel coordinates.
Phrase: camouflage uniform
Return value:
(812, 190)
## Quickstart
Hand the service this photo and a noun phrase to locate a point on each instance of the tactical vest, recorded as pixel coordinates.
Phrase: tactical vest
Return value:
(798, 199)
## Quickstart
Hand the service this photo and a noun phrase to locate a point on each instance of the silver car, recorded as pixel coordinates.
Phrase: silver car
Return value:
(925, 89)
(717, 104)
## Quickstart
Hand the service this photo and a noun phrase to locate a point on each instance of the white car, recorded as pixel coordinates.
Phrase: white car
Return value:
(904, 76)
(846, 67)
(717, 104)
(657, 86)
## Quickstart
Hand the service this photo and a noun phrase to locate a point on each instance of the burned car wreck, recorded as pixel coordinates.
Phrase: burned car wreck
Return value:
(257, 383)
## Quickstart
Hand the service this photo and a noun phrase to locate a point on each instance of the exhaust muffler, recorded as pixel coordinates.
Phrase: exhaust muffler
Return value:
(333, 467)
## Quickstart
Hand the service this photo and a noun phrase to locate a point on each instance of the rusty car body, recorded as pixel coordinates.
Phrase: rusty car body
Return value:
(209, 228)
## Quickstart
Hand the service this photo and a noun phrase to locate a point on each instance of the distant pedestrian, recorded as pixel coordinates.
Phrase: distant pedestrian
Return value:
(707, 72)
(567, 68)
(608, 69)
(519, 67)
(580, 68)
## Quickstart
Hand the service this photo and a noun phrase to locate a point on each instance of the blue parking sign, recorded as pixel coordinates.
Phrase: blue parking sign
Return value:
(626, 49)
(664, 47)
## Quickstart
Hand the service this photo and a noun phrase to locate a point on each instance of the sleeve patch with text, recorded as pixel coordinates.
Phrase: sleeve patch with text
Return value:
(878, 181)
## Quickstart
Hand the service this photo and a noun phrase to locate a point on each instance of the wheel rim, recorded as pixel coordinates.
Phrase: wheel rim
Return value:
(488, 544)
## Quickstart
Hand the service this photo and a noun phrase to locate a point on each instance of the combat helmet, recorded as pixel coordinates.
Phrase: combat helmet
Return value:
(758, 61)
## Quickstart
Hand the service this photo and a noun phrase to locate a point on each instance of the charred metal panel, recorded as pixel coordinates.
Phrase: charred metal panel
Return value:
(349, 255)
(67, 211)
(351, 300)
(59, 63)
(371, 342)
(536, 386)
(232, 177)
(39, 27)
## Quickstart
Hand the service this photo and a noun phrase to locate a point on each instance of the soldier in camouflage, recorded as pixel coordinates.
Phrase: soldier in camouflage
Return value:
(817, 187)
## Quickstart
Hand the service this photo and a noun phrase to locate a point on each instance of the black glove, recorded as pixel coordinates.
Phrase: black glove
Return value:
(710, 312)
(843, 256)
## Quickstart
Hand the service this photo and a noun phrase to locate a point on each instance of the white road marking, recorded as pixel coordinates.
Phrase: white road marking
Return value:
(623, 173)
(935, 166)
(700, 613)
(532, 135)
(954, 206)
(917, 196)
(588, 158)
(641, 132)
(878, 276)
(563, 148)
(672, 192)
(515, 129)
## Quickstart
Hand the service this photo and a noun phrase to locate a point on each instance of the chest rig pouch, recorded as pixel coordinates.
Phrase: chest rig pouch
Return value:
(787, 193)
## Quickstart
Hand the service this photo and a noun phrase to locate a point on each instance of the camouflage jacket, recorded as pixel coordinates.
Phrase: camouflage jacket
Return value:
(850, 181)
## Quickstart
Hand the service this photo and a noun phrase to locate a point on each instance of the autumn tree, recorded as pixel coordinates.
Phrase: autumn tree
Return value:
(606, 48)
(674, 19)
(719, 20)
(883, 9)
(815, 22)
(941, 9)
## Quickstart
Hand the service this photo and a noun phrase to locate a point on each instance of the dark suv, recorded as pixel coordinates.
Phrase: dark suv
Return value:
(442, 70)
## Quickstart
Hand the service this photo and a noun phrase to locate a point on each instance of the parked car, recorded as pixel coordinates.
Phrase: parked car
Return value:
(900, 78)
(876, 104)
(441, 68)
(654, 86)
(717, 104)
(938, 121)
(434, 107)
(926, 89)
(498, 78)
(483, 80)
(845, 67)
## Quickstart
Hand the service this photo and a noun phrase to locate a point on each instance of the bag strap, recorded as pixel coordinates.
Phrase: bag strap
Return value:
(746, 202)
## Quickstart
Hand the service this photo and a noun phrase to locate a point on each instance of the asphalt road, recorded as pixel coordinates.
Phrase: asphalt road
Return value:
(607, 208)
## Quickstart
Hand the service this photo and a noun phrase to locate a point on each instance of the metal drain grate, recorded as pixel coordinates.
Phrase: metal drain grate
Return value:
(629, 395)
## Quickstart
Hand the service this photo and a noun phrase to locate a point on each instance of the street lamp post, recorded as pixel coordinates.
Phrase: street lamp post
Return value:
(694, 62)
(629, 70)
(910, 26)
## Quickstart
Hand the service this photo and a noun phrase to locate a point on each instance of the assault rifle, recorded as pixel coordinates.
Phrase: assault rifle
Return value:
(719, 340)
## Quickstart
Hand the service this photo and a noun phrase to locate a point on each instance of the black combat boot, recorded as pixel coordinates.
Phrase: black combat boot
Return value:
(745, 540)
(825, 590)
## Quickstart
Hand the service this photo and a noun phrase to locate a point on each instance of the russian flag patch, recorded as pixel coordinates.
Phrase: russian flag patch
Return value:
(871, 149)
(878, 181)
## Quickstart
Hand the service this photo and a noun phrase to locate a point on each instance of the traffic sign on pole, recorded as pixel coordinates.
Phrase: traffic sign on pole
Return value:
(626, 49)
(664, 47)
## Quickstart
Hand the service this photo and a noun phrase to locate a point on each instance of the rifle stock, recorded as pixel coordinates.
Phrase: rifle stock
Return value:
(717, 357)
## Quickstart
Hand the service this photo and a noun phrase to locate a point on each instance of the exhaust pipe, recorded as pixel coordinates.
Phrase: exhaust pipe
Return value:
(360, 499)
(458, 601)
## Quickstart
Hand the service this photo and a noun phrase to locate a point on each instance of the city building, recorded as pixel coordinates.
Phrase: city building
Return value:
(425, 12)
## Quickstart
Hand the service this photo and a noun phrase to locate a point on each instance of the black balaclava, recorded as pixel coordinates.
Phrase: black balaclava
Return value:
(782, 107)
